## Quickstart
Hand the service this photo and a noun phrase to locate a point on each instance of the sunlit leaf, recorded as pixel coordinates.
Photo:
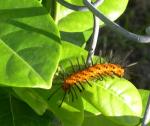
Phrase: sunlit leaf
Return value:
(29, 44)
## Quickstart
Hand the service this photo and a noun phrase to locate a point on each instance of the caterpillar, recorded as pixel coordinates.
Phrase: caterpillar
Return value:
(82, 76)
(97, 70)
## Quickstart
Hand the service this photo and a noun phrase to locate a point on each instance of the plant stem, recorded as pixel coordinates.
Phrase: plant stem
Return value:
(93, 42)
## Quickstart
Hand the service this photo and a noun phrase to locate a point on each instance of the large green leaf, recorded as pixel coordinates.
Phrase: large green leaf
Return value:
(73, 21)
(14, 112)
(117, 99)
(29, 45)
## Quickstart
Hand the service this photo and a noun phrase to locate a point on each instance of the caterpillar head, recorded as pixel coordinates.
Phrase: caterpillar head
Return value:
(65, 87)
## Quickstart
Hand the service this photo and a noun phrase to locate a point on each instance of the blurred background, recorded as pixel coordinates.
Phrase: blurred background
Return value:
(135, 19)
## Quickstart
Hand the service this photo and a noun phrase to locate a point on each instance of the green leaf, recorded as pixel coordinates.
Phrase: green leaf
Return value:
(97, 120)
(71, 112)
(67, 113)
(33, 99)
(144, 95)
(117, 99)
(47, 4)
(77, 38)
(76, 21)
(29, 45)
(16, 113)
(50, 5)
(92, 116)
(70, 50)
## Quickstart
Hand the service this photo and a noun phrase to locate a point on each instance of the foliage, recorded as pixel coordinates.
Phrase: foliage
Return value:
(32, 44)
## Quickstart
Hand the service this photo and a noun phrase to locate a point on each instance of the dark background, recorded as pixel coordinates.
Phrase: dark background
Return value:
(135, 19)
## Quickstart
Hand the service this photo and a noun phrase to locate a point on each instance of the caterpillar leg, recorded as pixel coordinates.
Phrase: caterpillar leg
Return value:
(62, 99)
(110, 74)
(100, 77)
(53, 93)
(78, 63)
(88, 82)
(75, 92)
(86, 66)
(80, 90)
(72, 66)
(65, 74)
(72, 96)
(81, 85)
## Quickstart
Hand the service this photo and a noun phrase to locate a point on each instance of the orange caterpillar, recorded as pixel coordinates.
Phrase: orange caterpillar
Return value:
(97, 70)
(78, 78)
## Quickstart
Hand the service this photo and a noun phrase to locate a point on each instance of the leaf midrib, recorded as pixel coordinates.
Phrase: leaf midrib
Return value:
(26, 63)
